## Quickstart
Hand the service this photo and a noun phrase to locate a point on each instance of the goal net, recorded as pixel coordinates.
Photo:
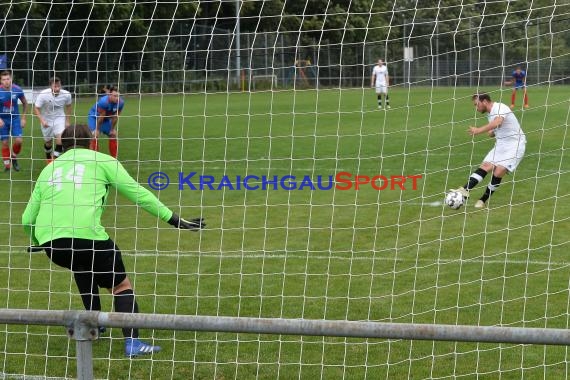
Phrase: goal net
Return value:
(323, 199)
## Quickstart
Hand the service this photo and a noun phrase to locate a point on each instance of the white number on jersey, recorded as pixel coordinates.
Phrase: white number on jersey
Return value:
(74, 175)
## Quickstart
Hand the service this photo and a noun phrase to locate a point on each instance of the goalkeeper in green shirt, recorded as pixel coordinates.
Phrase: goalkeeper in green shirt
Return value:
(63, 216)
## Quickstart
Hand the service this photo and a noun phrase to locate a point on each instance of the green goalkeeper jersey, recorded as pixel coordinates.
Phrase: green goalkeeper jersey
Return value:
(70, 195)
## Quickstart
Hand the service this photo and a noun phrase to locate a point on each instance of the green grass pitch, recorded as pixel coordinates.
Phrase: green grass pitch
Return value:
(397, 256)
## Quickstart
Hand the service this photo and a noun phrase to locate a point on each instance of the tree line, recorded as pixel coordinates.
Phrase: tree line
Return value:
(104, 41)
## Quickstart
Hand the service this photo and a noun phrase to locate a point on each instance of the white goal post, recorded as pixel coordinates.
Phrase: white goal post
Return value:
(328, 251)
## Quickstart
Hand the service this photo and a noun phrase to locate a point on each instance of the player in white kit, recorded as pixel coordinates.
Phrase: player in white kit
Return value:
(510, 143)
(53, 109)
(380, 80)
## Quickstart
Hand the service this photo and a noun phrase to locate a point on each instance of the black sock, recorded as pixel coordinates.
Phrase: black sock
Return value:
(47, 150)
(475, 178)
(88, 290)
(58, 150)
(387, 100)
(380, 100)
(491, 188)
(125, 303)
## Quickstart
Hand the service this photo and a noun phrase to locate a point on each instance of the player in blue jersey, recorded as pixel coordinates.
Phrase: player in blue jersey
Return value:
(11, 121)
(103, 118)
(519, 82)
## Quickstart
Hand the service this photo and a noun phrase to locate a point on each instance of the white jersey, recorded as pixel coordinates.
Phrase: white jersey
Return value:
(509, 133)
(52, 107)
(381, 72)
(510, 143)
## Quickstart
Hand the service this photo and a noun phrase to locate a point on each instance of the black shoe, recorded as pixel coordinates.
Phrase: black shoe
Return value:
(35, 248)
(15, 165)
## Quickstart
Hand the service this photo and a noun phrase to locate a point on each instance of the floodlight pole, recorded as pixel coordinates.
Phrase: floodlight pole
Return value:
(537, 51)
(238, 47)
(470, 55)
(404, 51)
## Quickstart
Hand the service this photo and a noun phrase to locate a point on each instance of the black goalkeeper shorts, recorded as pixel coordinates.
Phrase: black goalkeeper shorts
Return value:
(102, 258)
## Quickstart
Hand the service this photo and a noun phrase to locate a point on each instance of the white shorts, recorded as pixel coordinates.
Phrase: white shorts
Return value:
(508, 157)
(381, 89)
(55, 128)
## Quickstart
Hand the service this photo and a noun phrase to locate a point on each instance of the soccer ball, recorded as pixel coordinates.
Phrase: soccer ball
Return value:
(454, 199)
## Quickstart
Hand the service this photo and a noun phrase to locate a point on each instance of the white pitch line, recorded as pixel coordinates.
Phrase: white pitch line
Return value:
(356, 258)
(4, 376)
(174, 169)
(309, 256)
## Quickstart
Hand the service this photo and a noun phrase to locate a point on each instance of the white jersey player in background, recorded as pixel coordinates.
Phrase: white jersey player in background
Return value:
(53, 109)
(510, 143)
(381, 81)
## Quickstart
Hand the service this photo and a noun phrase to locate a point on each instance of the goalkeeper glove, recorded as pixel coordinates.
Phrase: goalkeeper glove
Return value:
(192, 224)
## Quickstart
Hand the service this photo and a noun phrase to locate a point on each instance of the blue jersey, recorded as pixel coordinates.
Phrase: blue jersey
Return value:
(104, 105)
(519, 77)
(9, 101)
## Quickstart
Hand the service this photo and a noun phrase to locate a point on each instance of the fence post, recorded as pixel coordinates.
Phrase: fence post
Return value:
(84, 330)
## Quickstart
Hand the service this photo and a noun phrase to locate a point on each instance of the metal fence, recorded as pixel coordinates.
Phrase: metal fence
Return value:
(203, 58)
(82, 326)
